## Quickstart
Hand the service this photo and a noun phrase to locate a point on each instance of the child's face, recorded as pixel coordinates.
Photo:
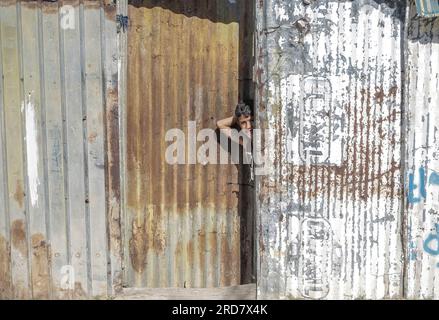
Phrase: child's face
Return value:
(246, 123)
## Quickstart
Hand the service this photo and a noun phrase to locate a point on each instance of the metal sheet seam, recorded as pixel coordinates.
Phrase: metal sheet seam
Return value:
(122, 9)
(106, 106)
(64, 138)
(84, 140)
(261, 64)
(44, 145)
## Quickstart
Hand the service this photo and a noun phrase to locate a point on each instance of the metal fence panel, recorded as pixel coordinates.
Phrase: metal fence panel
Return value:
(182, 221)
(330, 202)
(422, 176)
(59, 68)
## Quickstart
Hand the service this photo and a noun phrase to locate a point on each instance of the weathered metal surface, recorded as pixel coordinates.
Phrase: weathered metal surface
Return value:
(241, 292)
(427, 8)
(330, 204)
(182, 221)
(59, 81)
(422, 176)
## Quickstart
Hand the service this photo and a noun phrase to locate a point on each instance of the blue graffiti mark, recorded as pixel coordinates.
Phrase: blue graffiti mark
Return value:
(432, 237)
(413, 186)
(421, 187)
(434, 178)
(412, 251)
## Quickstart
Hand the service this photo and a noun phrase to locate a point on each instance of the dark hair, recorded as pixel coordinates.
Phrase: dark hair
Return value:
(243, 109)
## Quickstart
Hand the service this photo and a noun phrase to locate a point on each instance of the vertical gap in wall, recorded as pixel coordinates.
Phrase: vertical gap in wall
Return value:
(104, 124)
(246, 19)
(122, 9)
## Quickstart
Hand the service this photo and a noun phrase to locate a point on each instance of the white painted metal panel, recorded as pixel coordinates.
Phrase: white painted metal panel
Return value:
(422, 177)
(330, 202)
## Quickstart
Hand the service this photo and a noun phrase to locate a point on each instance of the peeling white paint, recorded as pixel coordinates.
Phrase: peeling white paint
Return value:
(333, 101)
(32, 151)
(281, 13)
(282, 41)
(423, 152)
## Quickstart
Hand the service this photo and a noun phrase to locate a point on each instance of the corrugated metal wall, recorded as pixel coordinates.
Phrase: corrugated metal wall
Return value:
(330, 205)
(347, 209)
(58, 87)
(182, 221)
(422, 176)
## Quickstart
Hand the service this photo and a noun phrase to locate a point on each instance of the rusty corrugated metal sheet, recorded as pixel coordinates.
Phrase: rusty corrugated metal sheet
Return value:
(422, 177)
(329, 88)
(182, 221)
(58, 88)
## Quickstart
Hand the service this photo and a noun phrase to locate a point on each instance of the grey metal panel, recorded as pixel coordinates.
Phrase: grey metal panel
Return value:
(5, 261)
(13, 101)
(75, 140)
(53, 159)
(330, 202)
(422, 100)
(54, 146)
(94, 133)
(33, 111)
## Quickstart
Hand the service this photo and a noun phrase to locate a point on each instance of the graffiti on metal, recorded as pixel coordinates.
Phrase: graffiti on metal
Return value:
(314, 122)
(431, 243)
(315, 262)
(418, 192)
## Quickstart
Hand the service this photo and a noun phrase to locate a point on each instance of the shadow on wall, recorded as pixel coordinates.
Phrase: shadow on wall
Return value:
(216, 11)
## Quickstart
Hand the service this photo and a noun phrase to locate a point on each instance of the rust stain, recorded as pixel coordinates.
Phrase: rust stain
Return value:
(113, 178)
(32, 4)
(362, 174)
(145, 157)
(19, 193)
(113, 144)
(189, 73)
(379, 95)
(78, 291)
(5, 3)
(159, 236)
(49, 7)
(213, 236)
(139, 244)
(18, 235)
(392, 91)
(71, 2)
(92, 137)
(110, 10)
(202, 249)
(40, 267)
(190, 254)
(92, 4)
(225, 262)
(5, 270)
